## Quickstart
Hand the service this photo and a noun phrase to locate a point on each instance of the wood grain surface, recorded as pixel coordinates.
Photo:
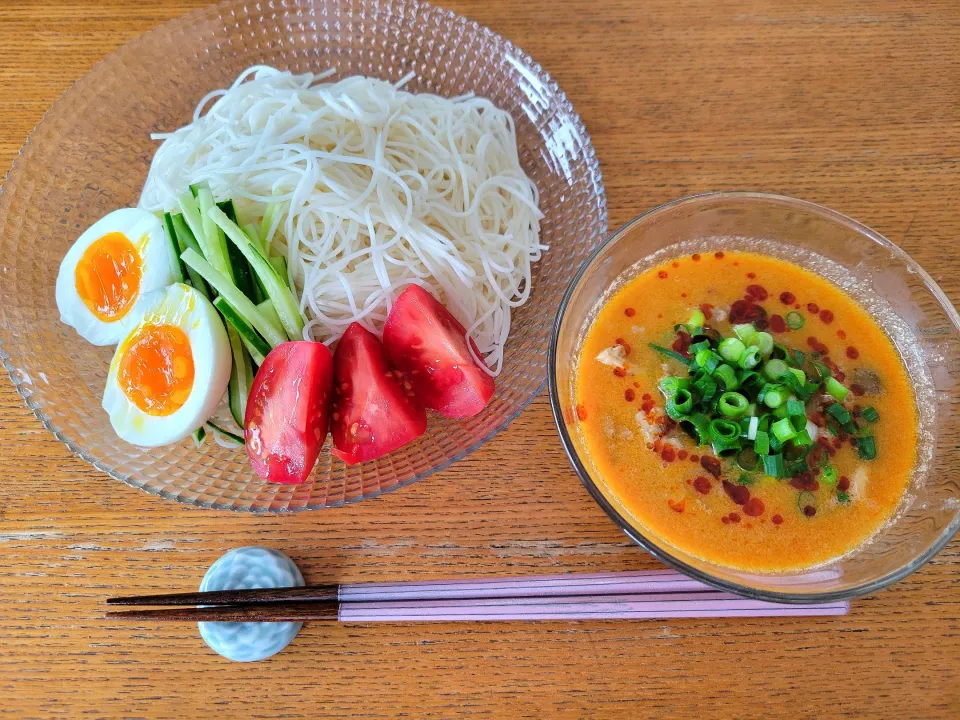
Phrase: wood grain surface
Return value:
(851, 104)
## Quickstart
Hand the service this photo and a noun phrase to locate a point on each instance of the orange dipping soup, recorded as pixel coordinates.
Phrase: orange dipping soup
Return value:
(746, 411)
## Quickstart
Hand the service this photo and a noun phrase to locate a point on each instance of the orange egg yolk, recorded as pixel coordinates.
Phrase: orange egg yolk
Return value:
(108, 276)
(156, 369)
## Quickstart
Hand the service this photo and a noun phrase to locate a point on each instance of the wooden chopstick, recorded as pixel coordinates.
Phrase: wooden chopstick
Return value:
(270, 612)
(264, 596)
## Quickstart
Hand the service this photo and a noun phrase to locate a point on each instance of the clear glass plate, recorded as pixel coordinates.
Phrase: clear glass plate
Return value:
(90, 155)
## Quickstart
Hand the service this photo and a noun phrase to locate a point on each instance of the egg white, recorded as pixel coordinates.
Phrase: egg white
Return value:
(146, 233)
(182, 306)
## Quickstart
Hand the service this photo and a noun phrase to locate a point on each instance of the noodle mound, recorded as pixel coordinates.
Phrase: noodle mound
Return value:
(365, 189)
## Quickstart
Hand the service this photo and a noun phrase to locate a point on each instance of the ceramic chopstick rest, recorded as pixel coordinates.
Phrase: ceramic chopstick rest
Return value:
(242, 569)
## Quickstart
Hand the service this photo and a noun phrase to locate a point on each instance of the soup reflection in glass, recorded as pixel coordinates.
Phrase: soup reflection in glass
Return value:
(746, 411)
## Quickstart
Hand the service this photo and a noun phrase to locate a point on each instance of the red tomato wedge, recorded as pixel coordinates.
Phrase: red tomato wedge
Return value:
(428, 345)
(373, 414)
(288, 411)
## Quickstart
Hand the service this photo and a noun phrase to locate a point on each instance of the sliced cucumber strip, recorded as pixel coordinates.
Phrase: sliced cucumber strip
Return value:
(269, 312)
(251, 232)
(186, 240)
(179, 270)
(226, 433)
(239, 387)
(279, 265)
(218, 244)
(240, 302)
(198, 436)
(244, 328)
(283, 300)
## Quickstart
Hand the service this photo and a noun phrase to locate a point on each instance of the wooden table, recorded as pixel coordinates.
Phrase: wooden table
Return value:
(853, 105)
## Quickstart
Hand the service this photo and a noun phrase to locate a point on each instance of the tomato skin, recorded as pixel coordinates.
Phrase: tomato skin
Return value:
(373, 413)
(426, 342)
(288, 411)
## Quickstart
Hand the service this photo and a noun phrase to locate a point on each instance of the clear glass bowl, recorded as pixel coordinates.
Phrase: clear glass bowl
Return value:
(911, 307)
(90, 155)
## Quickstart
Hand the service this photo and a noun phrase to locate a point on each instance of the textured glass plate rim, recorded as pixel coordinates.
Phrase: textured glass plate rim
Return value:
(651, 546)
(16, 169)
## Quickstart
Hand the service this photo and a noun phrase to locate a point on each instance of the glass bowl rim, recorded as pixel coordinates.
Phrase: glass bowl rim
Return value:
(663, 554)
(17, 167)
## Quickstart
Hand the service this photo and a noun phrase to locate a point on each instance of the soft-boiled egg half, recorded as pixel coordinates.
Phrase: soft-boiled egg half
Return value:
(170, 371)
(109, 270)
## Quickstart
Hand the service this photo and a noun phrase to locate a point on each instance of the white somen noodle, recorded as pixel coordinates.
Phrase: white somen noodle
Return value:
(374, 188)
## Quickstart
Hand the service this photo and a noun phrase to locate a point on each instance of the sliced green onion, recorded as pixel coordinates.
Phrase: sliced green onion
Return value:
(867, 447)
(783, 430)
(670, 353)
(749, 358)
(732, 404)
(237, 299)
(870, 414)
(761, 444)
(698, 426)
(775, 444)
(708, 360)
(796, 407)
(707, 387)
(799, 422)
(794, 320)
(843, 497)
(747, 459)
(763, 342)
(822, 370)
(680, 404)
(796, 357)
(749, 379)
(731, 349)
(724, 435)
(773, 369)
(799, 374)
(697, 318)
(670, 385)
(839, 413)
(802, 438)
(745, 332)
(792, 380)
(698, 346)
(752, 428)
(838, 391)
(744, 479)
(773, 465)
(773, 396)
(829, 475)
(727, 376)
